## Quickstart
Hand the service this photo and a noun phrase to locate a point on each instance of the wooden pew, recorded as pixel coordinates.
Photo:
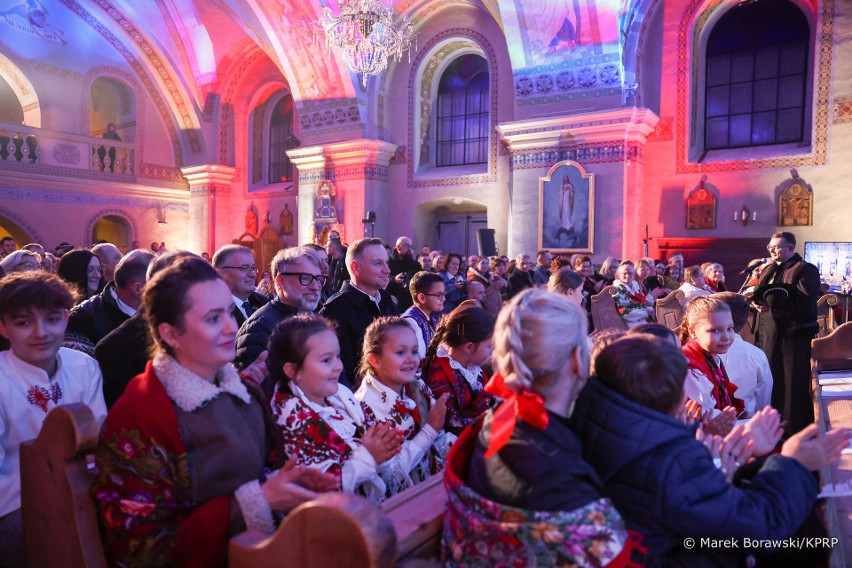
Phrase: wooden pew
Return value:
(404, 531)
(670, 310)
(60, 520)
(604, 312)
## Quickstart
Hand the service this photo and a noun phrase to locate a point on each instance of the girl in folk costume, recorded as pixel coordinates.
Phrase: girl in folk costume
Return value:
(391, 392)
(707, 331)
(520, 492)
(463, 342)
(324, 426)
(633, 306)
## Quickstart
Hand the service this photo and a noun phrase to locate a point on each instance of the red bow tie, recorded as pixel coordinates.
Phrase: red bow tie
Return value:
(525, 405)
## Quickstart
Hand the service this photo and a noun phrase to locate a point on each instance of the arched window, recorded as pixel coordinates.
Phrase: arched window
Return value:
(462, 114)
(10, 107)
(111, 102)
(281, 139)
(112, 229)
(757, 75)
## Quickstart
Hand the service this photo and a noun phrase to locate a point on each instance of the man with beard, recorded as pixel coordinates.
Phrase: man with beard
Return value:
(298, 283)
(359, 302)
(402, 267)
(786, 324)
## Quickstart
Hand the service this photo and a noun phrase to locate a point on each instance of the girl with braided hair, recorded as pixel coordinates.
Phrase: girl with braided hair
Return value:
(390, 391)
(520, 492)
(462, 343)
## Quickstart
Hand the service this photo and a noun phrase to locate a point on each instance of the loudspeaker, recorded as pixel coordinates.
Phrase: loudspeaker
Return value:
(485, 242)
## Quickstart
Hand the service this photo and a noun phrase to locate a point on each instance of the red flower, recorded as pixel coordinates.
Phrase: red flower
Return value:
(38, 396)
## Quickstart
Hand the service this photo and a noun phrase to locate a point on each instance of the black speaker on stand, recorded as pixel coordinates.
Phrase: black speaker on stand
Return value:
(485, 242)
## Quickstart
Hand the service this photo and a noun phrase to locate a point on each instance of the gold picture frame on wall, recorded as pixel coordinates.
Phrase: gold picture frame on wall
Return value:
(796, 206)
(701, 209)
(566, 209)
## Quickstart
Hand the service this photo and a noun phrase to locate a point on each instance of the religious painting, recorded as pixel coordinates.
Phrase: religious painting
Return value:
(566, 209)
(795, 206)
(701, 209)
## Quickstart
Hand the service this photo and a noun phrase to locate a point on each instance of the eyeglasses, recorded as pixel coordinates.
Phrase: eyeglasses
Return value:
(771, 248)
(95, 270)
(440, 295)
(241, 268)
(305, 279)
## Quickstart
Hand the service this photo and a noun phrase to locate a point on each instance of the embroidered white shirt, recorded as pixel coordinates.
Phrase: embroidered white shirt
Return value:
(748, 368)
(27, 395)
(471, 375)
(411, 465)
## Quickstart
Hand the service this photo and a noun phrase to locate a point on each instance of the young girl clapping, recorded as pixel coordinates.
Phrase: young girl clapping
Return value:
(391, 392)
(323, 425)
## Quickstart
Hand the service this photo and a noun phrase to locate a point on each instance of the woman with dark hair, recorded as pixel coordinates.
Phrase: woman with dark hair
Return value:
(455, 283)
(185, 453)
(461, 345)
(82, 269)
(567, 283)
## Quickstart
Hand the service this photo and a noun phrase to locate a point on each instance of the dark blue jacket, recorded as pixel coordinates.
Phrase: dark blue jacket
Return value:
(664, 483)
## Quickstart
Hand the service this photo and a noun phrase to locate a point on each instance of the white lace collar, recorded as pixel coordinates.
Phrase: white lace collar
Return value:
(382, 398)
(191, 391)
(633, 287)
(341, 411)
(470, 375)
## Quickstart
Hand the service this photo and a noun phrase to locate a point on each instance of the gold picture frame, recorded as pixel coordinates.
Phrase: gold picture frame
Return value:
(566, 209)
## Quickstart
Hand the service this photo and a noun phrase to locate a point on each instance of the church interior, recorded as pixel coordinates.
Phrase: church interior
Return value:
(696, 125)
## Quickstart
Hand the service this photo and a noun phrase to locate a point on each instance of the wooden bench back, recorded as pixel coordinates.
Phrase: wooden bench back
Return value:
(604, 312)
(59, 515)
(404, 529)
(670, 310)
(834, 351)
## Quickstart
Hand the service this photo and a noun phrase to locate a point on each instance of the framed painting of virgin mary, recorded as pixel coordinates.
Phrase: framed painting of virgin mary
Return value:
(567, 209)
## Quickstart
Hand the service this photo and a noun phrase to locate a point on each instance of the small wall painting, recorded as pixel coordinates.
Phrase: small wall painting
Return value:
(796, 206)
(701, 208)
(566, 209)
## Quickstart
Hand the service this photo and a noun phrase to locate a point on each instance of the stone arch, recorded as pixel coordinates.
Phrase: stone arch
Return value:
(119, 79)
(116, 215)
(24, 91)
(18, 228)
(426, 70)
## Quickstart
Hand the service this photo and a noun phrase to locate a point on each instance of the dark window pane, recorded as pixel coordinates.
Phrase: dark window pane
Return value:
(740, 98)
(766, 63)
(458, 104)
(718, 70)
(458, 128)
(793, 58)
(717, 101)
(763, 129)
(742, 66)
(445, 129)
(765, 94)
(462, 111)
(791, 91)
(717, 133)
(740, 130)
(790, 125)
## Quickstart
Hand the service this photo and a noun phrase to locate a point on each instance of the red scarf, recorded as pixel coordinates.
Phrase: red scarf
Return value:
(723, 388)
(524, 405)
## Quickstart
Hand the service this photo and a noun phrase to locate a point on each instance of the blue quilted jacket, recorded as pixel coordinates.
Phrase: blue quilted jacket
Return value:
(666, 486)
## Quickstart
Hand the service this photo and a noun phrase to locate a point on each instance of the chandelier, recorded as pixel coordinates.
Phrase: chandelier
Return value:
(364, 35)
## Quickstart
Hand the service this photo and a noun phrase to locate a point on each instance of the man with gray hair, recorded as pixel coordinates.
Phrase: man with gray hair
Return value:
(236, 265)
(402, 267)
(298, 282)
(109, 255)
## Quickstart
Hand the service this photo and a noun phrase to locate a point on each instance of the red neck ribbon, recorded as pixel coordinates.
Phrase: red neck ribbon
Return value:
(525, 405)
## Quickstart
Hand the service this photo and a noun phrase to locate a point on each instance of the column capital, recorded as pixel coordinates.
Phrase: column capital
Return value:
(632, 124)
(352, 152)
(208, 174)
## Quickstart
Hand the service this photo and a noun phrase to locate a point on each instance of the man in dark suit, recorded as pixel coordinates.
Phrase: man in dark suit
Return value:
(403, 267)
(785, 328)
(337, 272)
(236, 265)
(360, 301)
(521, 278)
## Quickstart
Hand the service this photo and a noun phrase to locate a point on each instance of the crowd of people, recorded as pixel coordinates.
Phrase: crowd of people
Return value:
(228, 394)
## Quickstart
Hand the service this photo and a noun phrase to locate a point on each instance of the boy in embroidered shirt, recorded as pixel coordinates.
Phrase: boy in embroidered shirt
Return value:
(36, 375)
(427, 292)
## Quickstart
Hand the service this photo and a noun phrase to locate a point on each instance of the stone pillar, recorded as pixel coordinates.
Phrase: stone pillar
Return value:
(207, 183)
(606, 143)
(359, 171)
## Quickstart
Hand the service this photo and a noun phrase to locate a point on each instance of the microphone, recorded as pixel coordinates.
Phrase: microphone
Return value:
(756, 264)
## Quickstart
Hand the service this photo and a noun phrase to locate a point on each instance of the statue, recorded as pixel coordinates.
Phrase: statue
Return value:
(285, 221)
(251, 220)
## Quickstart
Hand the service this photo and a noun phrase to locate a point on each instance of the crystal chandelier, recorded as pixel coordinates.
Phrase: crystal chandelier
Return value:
(365, 35)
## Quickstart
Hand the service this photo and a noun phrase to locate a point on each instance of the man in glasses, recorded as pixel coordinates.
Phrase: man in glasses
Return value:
(298, 282)
(236, 265)
(786, 323)
(360, 301)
